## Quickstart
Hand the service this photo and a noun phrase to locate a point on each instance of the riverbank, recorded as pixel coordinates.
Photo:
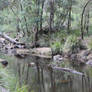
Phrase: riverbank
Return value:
(74, 48)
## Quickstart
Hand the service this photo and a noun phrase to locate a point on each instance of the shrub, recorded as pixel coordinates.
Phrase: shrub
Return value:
(56, 47)
(9, 81)
(22, 89)
(71, 44)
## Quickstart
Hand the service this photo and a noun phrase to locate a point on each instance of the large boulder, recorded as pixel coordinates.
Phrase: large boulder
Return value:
(82, 56)
(44, 51)
(41, 52)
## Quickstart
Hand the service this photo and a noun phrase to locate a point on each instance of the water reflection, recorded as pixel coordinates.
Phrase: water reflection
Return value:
(40, 79)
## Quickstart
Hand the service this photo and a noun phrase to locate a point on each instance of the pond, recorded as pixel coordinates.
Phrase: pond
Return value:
(41, 79)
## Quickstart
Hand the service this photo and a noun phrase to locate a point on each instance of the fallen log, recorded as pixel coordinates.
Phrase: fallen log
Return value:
(3, 35)
(66, 70)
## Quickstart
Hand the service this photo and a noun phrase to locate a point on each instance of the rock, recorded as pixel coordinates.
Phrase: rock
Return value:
(89, 62)
(73, 57)
(22, 53)
(82, 56)
(19, 46)
(86, 52)
(1, 45)
(4, 62)
(2, 40)
(57, 58)
(60, 59)
(89, 57)
(46, 51)
(40, 52)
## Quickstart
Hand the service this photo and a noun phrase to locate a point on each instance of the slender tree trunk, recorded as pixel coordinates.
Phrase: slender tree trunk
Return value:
(86, 21)
(28, 32)
(69, 16)
(37, 22)
(82, 29)
(87, 24)
(18, 22)
(51, 21)
(41, 19)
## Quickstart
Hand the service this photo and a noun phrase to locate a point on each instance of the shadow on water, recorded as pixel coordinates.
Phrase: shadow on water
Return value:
(41, 79)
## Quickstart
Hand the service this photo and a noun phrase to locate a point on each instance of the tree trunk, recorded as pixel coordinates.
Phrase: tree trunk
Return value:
(66, 70)
(41, 19)
(8, 38)
(37, 22)
(82, 29)
(51, 21)
(28, 32)
(69, 16)
(87, 24)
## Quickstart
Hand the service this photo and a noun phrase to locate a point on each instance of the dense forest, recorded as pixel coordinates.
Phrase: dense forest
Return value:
(43, 37)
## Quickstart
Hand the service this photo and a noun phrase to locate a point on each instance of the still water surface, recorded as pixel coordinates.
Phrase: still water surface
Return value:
(41, 79)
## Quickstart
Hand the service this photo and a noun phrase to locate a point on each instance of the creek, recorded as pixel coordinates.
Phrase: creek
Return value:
(32, 71)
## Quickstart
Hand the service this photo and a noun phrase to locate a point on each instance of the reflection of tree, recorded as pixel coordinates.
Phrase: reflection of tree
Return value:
(39, 79)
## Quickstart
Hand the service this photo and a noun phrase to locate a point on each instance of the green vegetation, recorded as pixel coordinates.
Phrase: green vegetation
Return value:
(71, 44)
(24, 19)
(60, 25)
(9, 81)
(56, 47)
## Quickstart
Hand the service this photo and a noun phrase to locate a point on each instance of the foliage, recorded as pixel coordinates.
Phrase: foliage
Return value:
(25, 16)
(71, 44)
(56, 47)
(22, 89)
(75, 32)
(9, 81)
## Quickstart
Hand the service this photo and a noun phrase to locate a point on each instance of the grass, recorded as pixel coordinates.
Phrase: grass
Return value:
(9, 81)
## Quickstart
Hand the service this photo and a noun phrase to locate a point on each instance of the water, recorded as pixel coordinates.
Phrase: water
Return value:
(41, 79)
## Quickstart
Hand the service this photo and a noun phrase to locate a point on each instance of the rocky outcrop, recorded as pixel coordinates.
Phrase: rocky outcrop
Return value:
(84, 57)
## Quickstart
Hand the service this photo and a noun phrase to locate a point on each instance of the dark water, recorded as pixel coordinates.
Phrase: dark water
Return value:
(41, 79)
